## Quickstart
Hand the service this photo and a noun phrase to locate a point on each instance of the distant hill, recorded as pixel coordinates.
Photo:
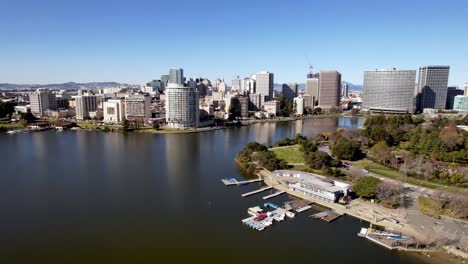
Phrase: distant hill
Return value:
(351, 86)
(65, 86)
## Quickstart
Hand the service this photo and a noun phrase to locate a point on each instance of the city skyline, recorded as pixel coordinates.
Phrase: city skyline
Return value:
(54, 42)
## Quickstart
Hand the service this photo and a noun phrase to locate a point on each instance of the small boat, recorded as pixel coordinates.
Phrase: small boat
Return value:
(290, 214)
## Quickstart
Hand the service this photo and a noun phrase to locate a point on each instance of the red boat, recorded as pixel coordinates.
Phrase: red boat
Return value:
(260, 217)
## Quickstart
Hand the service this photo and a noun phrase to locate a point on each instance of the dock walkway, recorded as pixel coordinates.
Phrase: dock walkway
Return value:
(273, 195)
(256, 191)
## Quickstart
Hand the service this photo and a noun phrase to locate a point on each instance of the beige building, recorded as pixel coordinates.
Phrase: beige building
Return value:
(272, 107)
(114, 111)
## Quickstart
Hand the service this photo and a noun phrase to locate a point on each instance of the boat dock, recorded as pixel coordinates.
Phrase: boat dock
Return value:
(328, 216)
(233, 181)
(259, 219)
(256, 191)
(273, 195)
(302, 209)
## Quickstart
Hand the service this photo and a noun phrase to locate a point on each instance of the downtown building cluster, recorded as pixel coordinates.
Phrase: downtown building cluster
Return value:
(176, 102)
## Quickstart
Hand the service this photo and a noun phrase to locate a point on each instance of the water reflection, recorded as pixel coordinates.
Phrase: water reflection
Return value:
(108, 197)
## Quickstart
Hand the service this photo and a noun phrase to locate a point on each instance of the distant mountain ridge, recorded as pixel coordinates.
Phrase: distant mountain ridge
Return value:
(65, 86)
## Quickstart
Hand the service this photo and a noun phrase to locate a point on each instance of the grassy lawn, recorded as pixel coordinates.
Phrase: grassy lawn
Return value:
(429, 207)
(10, 126)
(389, 173)
(291, 154)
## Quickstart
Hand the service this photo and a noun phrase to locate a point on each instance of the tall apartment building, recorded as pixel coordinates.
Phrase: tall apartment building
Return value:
(114, 110)
(85, 103)
(329, 89)
(312, 85)
(264, 84)
(176, 76)
(389, 90)
(451, 93)
(182, 110)
(42, 100)
(432, 87)
(465, 89)
(290, 90)
(138, 106)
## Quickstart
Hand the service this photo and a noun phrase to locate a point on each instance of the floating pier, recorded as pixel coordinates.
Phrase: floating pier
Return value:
(319, 215)
(233, 181)
(328, 216)
(256, 191)
(272, 195)
(302, 209)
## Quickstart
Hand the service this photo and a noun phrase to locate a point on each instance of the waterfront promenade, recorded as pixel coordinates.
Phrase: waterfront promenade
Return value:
(391, 219)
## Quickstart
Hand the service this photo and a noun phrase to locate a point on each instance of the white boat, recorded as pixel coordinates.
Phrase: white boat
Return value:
(12, 131)
(290, 214)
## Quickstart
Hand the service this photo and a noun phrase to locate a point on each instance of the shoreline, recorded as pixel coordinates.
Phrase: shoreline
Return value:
(114, 128)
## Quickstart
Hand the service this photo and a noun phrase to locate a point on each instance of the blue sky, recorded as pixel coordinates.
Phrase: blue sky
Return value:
(50, 41)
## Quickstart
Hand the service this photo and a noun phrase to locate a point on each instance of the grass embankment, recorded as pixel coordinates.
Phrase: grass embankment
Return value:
(10, 126)
(393, 174)
(87, 125)
(429, 206)
(290, 154)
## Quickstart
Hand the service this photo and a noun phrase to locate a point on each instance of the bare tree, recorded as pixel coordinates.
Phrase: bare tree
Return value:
(389, 193)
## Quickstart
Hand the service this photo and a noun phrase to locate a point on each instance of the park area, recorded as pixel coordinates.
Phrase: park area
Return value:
(290, 154)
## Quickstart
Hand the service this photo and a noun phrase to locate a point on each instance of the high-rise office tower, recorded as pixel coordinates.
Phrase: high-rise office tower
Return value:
(432, 87)
(451, 93)
(465, 89)
(290, 90)
(164, 81)
(236, 84)
(42, 100)
(312, 85)
(389, 90)
(264, 84)
(182, 110)
(85, 102)
(344, 90)
(245, 86)
(176, 76)
(329, 89)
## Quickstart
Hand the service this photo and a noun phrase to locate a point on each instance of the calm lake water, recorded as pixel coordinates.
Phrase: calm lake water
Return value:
(93, 197)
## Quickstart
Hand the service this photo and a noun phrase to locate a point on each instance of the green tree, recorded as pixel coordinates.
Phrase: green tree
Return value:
(6, 109)
(366, 187)
(347, 149)
(156, 125)
(125, 125)
(318, 160)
